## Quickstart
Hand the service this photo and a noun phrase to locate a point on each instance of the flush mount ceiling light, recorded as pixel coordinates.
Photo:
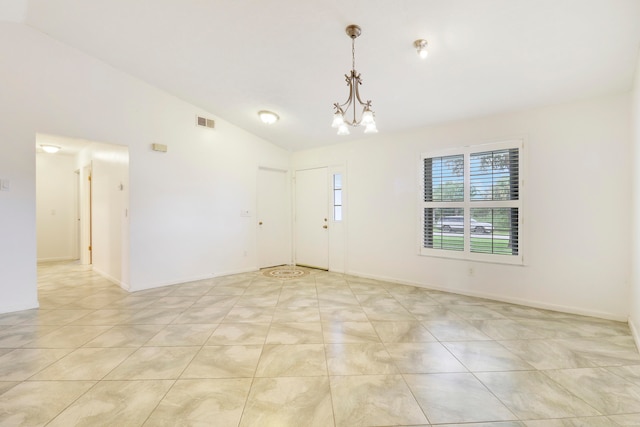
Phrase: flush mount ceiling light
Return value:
(51, 149)
(421, 47)
(268, 117)
(353, 101)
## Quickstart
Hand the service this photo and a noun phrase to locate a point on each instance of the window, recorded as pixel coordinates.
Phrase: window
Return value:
(337, 197)
(471, 203)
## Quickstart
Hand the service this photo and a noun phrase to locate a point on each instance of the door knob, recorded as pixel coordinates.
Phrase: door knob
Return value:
(325, 226)
(260, 223)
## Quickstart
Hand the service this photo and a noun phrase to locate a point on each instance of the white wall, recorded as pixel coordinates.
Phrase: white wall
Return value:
(575, 238)
(634, 318)
(184, 204)
(56, 206)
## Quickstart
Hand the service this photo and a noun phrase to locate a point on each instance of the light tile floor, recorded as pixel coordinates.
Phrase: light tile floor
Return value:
(322, 350)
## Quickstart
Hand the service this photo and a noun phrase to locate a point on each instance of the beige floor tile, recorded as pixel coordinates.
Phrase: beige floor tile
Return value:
(229, 361)
(154, 316)
(250, 314)
(353, 313)
(105, 317)
(369, 400)
(114, 403)
(256, 351)
(67, 337)
(6, 385)
(239, 334)
(574, 422)
(290, 401)
(395, 332)
(626, 420)
(85, 364)
(297, 360)
(204, 402)
(268, 300)
(533, 395)
(292, 314)
(216, 301)
(454, 330)
(125, 336)
(17, 317)
(56, 317)
(202, 314)
(349, 332)
(295, 333)
(182, 335)
(424, 358)
(478, 356)
(154, 363)
(609, 395)
(34, 403)
(16, 336)
(359, 359)
(21, 364)
(456, 398)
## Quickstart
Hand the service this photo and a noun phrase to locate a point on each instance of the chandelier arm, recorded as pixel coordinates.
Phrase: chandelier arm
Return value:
(349, 100)
(359, 82)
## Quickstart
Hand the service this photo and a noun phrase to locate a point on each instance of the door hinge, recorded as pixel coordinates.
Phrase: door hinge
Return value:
(89, 247)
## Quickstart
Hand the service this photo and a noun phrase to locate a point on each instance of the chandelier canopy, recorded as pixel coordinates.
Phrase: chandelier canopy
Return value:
(353, 102)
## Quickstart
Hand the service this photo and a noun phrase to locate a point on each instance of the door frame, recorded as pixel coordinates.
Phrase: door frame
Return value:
(86, 214)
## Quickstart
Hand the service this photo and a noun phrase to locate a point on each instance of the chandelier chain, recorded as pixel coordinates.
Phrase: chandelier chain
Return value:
(353, 53)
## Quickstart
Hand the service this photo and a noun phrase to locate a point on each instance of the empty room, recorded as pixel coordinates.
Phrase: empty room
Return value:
(320, 213)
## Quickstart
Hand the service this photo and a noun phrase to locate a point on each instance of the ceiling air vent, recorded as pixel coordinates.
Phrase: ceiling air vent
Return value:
(204, 122)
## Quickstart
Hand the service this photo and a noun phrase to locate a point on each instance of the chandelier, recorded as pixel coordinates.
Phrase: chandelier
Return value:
(353, 101)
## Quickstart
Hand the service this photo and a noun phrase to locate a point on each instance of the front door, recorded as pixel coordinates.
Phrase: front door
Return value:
(312, 218)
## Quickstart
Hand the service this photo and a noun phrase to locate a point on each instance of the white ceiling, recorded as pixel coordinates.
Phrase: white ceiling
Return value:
(236, 57)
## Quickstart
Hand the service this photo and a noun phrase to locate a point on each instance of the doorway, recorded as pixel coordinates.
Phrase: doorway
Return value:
(82, 199)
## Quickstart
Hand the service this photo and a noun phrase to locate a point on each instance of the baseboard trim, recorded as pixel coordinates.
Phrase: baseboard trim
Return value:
(501, 298)
(192, 279)
(18, 307)
(635, 332)
(110, 278)
(232, 272)
(56, 259)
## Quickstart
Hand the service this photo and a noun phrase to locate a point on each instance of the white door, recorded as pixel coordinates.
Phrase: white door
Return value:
(312, 218)
(273, 218)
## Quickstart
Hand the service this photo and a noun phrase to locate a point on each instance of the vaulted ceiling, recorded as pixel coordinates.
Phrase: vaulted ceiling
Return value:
(235, 57)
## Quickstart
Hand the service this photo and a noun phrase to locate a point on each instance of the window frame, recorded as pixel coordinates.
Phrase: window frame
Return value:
(467, 204)
(335, 190)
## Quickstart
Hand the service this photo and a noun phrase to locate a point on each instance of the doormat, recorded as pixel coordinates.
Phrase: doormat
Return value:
(285, 272)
